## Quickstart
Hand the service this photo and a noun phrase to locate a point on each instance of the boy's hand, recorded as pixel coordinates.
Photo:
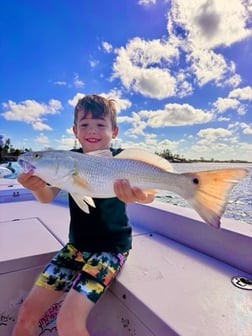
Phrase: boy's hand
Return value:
(30, 181)
(129, 194)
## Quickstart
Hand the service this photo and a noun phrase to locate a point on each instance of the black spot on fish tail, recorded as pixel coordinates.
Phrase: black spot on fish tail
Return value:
(196, 180)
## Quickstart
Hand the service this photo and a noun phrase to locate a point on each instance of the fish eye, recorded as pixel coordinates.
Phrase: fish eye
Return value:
(36, 155)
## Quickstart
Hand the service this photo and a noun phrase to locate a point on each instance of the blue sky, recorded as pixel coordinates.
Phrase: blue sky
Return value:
(179, 70)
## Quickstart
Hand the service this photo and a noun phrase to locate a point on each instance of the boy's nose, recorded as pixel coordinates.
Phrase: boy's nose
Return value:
(92, 129)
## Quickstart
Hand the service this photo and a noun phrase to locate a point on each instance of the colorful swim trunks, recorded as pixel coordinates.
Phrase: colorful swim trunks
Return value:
(88, 273)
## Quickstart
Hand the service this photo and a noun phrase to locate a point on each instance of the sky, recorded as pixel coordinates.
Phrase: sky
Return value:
(180, 72)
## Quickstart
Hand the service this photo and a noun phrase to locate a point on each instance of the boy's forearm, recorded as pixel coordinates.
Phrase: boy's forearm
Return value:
(46, 194)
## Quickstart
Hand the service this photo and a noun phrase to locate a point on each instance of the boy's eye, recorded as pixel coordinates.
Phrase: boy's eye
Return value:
(101, 125)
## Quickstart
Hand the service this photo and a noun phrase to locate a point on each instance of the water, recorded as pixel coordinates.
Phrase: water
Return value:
(239, 204)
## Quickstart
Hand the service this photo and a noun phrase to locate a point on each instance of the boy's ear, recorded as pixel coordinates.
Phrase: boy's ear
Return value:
(75, 130)
(115, 132)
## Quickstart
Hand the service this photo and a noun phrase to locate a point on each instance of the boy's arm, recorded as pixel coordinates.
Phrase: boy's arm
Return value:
(129, 194)
(39, 188)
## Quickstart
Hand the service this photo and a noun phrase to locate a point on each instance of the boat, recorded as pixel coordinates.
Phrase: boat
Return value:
(4, 171)
(182, 277)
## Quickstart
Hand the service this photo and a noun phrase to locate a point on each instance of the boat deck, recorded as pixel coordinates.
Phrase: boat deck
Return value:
(169, 285)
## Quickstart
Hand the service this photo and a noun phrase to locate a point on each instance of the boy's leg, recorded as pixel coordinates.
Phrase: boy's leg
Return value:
(95, 277)
(73, 315)
(38, 301)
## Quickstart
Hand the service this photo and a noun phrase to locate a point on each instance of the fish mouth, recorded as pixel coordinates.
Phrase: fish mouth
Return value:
(26, 166)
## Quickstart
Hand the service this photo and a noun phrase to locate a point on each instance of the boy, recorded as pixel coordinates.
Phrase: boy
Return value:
(99, 242)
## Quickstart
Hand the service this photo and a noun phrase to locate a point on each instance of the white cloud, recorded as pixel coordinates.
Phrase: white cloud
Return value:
(195, 31)
(223, 104)
(107, 47)
(242, 93)
(146, 2)
(209, 66)
(203, 26)
(143, 67)
(207, 22)
(43, 139)
(77, 82)
(176, 115)
(246, 129)
(60, 83)
(75, 99)
(93, 63)
(69, 131)
(31, 112)
(213, 134)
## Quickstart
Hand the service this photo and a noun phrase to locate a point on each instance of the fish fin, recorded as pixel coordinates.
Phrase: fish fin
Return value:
(145, 156)
(104, 153)
(211, 193)
(81, 182)
(83, 202)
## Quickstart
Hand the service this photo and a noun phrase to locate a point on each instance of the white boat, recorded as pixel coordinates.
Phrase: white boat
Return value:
(4, 171)
(182, 276)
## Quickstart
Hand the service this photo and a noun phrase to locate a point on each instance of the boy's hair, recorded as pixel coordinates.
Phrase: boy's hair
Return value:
(98, 106)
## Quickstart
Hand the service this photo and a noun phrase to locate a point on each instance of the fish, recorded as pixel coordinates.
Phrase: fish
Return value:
(92, 175)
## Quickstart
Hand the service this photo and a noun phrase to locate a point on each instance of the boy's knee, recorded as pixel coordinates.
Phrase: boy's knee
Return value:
(69, 327)
(26, 319)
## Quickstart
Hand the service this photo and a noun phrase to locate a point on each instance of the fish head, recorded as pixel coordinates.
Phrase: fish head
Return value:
(49, 165)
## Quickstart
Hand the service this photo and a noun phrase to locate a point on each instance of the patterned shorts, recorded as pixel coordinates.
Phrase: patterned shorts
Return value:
(88, 273)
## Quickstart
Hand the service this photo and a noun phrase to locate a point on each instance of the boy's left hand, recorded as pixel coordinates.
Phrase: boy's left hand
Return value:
(129, 194)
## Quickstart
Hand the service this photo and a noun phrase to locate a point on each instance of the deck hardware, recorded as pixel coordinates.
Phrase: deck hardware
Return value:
(242, 282)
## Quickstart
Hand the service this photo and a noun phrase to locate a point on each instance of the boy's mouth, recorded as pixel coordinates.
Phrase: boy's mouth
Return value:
(92, 140)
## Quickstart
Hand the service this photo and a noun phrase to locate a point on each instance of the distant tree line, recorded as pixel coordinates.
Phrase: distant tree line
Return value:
(8, 152)
(168, 155)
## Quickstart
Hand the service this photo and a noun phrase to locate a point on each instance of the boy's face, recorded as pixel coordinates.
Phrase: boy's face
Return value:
(94, 134)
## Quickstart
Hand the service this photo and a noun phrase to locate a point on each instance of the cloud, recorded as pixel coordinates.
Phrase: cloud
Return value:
(242, 93)
(77, 82)
(107, 47)
(194, 32)
(142, 67)
(75, 99)
(202, 28)
(176, 115)
(214, 134)
(146, 2)
(43, 139)
(60, 83)
(31, 112)
(207, 22)
(246, 128)
(223, 104)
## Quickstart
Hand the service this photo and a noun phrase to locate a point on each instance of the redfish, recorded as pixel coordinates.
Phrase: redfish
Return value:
(92, 175)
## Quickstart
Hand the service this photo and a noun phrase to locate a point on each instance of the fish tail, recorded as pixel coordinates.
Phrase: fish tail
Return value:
(211, 192)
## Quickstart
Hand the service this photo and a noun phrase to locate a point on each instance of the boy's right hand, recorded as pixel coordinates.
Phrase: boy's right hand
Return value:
(29, 181)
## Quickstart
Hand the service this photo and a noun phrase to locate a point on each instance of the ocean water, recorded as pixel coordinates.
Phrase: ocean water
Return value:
(239, 204)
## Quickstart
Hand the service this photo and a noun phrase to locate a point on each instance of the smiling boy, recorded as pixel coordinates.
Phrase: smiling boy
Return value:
(99, 242)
